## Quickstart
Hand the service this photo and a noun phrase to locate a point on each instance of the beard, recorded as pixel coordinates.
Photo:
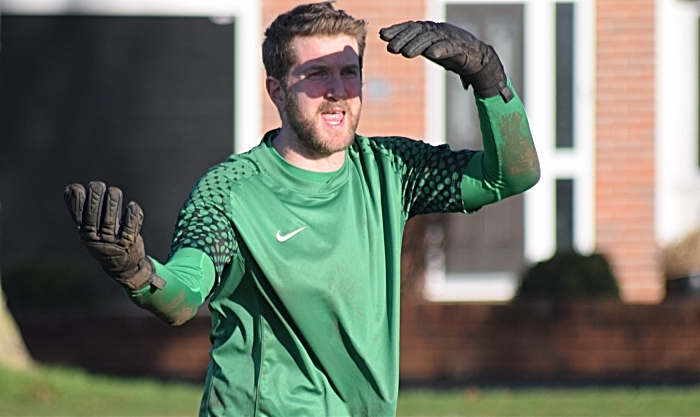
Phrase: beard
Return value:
(309, 133)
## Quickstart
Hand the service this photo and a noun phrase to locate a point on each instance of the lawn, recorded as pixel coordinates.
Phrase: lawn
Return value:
(589, 402)
(58, 391)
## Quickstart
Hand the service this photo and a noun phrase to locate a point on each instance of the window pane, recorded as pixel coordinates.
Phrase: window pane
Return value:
(565, 213)
(488, 245)
(565, 75)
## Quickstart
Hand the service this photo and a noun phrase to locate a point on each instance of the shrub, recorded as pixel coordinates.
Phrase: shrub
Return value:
(570, 275)
(682, 258)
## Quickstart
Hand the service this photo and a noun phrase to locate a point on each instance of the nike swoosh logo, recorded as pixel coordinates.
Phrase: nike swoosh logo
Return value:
(284, 238)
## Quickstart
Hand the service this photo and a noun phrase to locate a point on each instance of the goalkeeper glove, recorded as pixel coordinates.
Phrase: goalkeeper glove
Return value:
(454, 49)
(113, 240)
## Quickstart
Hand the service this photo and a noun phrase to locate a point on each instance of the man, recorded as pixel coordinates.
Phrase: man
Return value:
(296, 243)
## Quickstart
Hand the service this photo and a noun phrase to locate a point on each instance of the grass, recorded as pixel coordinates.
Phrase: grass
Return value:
(59, 391)
(615, 401)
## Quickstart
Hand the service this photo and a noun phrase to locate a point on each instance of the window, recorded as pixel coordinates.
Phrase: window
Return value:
(546, 48)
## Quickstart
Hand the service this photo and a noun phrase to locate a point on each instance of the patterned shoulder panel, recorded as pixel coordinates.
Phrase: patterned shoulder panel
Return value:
(204, 221)
(431, 175)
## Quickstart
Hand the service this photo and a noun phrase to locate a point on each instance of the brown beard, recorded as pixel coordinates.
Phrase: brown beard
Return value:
(305, 129)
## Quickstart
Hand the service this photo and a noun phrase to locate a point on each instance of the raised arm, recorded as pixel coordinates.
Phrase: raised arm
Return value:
(508, 164)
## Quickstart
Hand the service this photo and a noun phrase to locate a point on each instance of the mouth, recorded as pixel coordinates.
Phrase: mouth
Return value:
(333, 118)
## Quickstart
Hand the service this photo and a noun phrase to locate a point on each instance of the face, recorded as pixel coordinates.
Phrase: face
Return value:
(323, 94)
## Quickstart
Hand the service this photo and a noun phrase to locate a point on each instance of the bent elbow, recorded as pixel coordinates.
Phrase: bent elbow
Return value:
(177, 317)
(524, 179)
(178, 321)
(532, 177)
(528, 174)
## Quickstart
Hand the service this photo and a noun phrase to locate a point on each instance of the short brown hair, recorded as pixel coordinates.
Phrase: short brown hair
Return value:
(313, 19)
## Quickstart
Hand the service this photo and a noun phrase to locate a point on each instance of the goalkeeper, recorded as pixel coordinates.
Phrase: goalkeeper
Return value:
(296, 243)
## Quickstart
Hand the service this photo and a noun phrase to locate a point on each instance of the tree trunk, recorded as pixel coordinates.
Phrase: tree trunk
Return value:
(13, 352)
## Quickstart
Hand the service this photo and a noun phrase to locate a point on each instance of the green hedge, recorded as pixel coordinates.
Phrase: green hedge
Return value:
(570, 275)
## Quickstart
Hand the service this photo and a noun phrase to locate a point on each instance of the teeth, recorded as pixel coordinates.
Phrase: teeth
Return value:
(333, 118)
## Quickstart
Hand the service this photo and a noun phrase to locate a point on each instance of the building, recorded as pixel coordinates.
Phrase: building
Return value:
(611, 90)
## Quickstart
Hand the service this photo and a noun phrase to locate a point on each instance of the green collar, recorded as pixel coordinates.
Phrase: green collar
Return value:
(296, 178)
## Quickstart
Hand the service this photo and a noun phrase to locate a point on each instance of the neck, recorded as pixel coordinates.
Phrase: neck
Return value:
(293, 151)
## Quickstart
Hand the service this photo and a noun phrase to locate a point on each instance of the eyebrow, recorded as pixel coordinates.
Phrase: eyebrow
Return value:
(316, 67)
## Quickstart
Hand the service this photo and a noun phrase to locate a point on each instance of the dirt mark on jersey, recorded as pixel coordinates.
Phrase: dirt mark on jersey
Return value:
(519, 156)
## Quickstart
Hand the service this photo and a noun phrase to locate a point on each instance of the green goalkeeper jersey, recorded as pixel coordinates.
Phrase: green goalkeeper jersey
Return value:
(305, 303)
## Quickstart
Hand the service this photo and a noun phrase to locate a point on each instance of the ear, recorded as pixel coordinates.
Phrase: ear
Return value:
(276, 92)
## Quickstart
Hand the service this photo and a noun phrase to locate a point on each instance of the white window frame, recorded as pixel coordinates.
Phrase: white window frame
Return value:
(577, 163)
(247, 102)
(677, 197)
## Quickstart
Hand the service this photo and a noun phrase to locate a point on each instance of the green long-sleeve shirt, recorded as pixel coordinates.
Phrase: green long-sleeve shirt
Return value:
(302, 269)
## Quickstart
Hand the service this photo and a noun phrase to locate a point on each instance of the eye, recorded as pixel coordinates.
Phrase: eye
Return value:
(351, 73)
(316, 75)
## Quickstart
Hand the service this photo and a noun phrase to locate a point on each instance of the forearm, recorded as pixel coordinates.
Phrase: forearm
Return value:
(189, 275)
(508, 164)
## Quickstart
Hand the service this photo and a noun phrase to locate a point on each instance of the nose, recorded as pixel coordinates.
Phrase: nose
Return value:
(336, 89)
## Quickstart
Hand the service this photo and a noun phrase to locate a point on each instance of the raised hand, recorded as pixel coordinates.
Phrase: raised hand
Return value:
(113, 239)
(454, 49)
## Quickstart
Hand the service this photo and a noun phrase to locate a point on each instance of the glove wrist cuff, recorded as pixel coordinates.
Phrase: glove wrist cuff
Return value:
(141, 276)
(501, 89)
(491, 79)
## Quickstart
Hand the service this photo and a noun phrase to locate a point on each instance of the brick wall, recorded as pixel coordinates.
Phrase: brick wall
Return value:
(452, 343)
(139, 345)
(625, 146)
(577, 341)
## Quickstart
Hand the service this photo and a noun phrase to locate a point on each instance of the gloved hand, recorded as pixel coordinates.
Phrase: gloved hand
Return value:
(454, 49)
(113, 240)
